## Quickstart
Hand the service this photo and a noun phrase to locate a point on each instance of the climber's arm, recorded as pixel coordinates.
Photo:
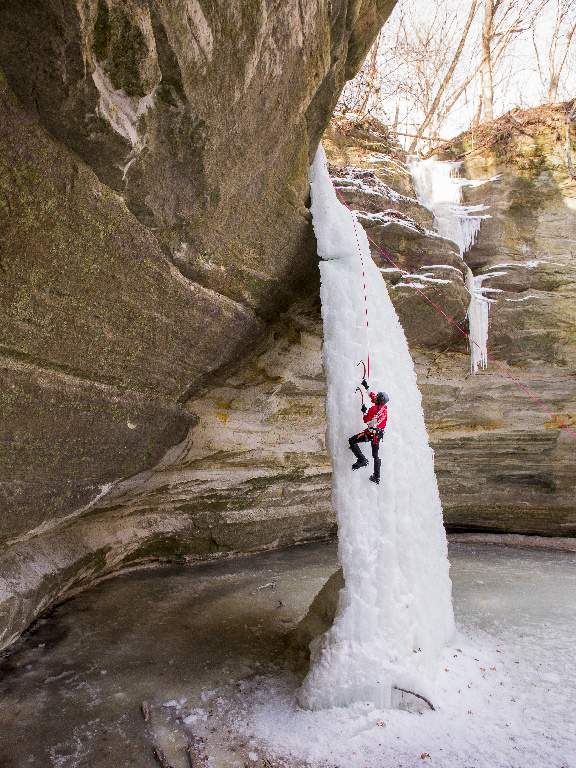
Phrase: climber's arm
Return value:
(370, 415)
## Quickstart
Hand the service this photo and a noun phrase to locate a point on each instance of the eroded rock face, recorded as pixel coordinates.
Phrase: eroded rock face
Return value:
(126, 285)
(202, 115)
(503, 463)
(154, 178)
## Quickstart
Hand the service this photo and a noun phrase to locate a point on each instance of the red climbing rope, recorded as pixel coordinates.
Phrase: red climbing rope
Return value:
(365, 297)
(562, 424)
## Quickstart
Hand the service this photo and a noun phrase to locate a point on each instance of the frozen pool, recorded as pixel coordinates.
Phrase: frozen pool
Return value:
(201, 645)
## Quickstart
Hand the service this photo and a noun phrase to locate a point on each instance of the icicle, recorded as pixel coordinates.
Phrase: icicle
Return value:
(439, 188)
(478, 318)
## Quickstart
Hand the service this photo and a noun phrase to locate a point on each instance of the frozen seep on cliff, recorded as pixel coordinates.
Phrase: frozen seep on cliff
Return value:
(439, 188)
(395, 612)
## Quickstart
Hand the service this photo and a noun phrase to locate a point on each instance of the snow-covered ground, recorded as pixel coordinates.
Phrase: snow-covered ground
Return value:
(207, 643)
(395, 613)
(508, 697)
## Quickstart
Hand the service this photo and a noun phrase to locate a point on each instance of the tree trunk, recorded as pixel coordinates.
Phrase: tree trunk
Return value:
(447, 77)
(371, 87)
(570, 118)
(487, 75)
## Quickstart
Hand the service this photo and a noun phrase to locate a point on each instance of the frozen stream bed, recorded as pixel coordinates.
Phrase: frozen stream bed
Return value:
(201, 646)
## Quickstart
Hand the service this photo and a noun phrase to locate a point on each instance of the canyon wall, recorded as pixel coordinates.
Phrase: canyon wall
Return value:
(162, 389)
(504, 437)
(153, 187)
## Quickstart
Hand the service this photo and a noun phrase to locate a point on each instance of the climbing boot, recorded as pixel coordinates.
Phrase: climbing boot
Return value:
(375, 477)
(362, 460)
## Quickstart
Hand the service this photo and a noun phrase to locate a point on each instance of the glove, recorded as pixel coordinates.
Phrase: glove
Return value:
(364, 384)
(363, 409)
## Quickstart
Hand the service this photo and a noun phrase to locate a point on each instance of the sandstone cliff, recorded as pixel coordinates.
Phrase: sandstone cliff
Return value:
(154, 158)
(161, 339)
(503, 464)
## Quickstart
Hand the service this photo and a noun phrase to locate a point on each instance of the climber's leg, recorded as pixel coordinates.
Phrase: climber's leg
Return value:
(353, 441)
(375, 476)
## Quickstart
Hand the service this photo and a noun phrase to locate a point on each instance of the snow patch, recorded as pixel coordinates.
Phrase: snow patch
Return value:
(426, 278)
(531, 264)
(369, 183)
(524, 298)
(443, 266)
(415, 284)
(390, 217)
(121, 112)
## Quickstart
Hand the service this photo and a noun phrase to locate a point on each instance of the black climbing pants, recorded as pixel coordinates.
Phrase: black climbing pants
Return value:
(367, 436)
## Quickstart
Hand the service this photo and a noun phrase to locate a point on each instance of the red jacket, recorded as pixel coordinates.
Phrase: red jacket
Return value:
(377, 416)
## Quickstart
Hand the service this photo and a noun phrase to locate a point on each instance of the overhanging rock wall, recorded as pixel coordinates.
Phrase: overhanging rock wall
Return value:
(153, 186)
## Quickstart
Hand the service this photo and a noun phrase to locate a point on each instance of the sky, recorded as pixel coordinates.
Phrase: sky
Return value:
(517, 83)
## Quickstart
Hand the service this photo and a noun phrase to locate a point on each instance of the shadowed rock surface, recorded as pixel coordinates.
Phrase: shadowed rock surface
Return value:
(153, 187)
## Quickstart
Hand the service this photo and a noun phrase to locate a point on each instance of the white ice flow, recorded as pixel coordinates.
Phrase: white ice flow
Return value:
(395, 612)
(439, 188)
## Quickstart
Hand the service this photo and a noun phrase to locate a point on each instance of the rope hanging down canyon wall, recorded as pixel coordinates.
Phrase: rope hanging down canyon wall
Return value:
(540, 404)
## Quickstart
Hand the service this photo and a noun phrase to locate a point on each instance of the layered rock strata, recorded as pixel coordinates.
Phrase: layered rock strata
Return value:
(503, 462)
(154, 159)
(161, 339)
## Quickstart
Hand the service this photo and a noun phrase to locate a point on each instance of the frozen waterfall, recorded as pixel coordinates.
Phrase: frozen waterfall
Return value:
(439, 188)
(395, 611)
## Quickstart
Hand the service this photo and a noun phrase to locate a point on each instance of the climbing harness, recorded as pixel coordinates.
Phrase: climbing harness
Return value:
(556, 419)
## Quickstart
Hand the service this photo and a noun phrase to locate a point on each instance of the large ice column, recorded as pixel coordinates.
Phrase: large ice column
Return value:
(439, 188)
(395, 612)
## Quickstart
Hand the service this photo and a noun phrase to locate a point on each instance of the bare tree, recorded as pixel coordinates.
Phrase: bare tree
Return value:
(447, 79)
(486, 72)
(504, 20)
(570, 120)
(440, 63)
(551, 62)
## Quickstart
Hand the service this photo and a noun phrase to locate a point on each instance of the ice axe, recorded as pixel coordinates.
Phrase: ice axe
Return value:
(364, 381)
(358, 389)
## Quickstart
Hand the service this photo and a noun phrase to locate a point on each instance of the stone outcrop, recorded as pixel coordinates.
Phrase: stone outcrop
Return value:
(516, 468)
(502, 463)
(153, 188)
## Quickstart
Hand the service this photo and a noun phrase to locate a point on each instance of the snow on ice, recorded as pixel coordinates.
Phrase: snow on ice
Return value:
(395, 612)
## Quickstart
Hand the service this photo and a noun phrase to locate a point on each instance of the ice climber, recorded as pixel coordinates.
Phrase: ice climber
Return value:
(375, 417)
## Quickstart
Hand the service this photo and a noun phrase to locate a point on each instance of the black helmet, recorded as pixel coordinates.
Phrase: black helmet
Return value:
(381, 398)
